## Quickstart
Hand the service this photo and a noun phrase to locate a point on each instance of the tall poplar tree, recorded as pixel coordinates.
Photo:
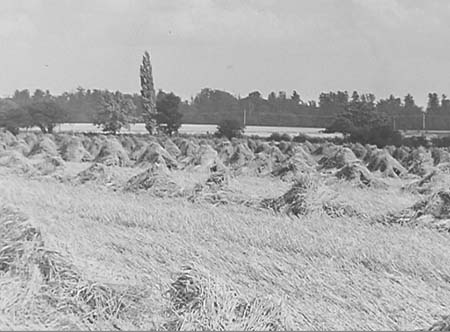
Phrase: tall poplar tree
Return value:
(148, 95)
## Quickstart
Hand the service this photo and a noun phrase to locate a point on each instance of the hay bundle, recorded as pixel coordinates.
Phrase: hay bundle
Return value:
(44, 147)
(432, 212)
(436, 179)
(72, 149)
(442, 325)
(402, 154)
(355, 172)
(276, 154)
(7, 138)
(20, 146)
(202, 303)
(215, 195)
(172, 148)
(390, 148)
(216, 192)
(288, 147)
(382, 161)
(154, 153)
(437, 205)
(440, 155)
(58, 287)
(93, 144)
(339, 210)
(308, 146)
(325, 150)
(16, 160)
(284, 146)
(112, 153)
(241, 155)
(206, 156)
(359, 150)
(217, 179)
(262, 165)
(95, 173)
(251, 144)
(444, 167)
(300, 154)
(371, 150)
(420, 162)
(30, 138)
(15, 235)
(286, 172)
(296, 166)
(339, 159)
(188, 148)
(156, 181)
(294, 201)
(226, 150)
(263, 147)
(48, 164)
(219, 175)
(128, 143)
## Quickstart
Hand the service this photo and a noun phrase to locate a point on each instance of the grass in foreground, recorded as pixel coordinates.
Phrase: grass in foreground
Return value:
(311, 272)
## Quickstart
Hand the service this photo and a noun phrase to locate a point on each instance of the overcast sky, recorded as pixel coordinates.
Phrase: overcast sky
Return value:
(379, 46)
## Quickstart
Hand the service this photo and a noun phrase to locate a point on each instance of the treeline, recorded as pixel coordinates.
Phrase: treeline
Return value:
(81, 106)
(277, 109)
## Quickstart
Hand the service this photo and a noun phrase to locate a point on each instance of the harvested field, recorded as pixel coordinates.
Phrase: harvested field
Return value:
(216, 235)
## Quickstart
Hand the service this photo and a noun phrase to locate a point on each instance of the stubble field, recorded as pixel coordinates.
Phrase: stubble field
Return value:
(137, 232)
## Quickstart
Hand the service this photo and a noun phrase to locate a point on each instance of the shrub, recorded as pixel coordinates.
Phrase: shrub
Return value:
(286, 137)
(340, 125)
(300, 138)
(230, 128)
(416, 141)
(275, 137)
(441, 142)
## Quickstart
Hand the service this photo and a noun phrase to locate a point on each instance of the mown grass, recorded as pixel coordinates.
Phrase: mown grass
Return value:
(328, 273)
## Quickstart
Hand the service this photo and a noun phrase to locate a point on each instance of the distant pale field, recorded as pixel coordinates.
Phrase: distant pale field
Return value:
(262, 131)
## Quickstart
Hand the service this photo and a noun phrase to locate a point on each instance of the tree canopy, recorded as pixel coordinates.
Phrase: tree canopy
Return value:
(114, 112)
(168, 116)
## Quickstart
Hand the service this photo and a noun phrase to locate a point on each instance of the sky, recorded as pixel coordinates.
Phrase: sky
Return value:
(311, 46)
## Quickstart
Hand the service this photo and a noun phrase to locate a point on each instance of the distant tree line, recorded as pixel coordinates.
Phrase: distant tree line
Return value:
(213, 106)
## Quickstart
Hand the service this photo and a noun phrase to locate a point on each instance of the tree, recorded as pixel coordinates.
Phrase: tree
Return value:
(445, 103)
(168, 115)
(295, 97)
(390, 106)
(213, 105)
(333, 102)
(230, 128)
(45, 115)
(38, 95)
(355, 97)
(13, 117)
(22, 97)
(148, 95)
(409, 102)
(254, 95)
(363, 124)
(115, 111)
(433, 102)
(272, 98)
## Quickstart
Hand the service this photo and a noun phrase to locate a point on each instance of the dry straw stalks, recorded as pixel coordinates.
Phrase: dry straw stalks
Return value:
(52, 282)
(202, 303)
